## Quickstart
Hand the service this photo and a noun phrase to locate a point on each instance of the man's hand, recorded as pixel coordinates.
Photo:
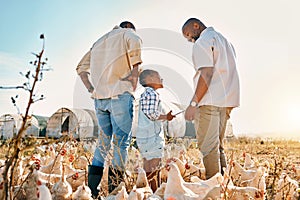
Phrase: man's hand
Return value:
(86, 81)
(132, 79)
(133, 76)
(190, 113)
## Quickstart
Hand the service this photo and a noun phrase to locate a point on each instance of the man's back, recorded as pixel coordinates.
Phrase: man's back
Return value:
(213, 50)
(111, 59)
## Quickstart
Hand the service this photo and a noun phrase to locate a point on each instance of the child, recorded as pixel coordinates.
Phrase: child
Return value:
(150, 135)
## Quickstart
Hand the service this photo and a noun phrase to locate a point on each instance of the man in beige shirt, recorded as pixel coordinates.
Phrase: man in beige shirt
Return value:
(112, 64)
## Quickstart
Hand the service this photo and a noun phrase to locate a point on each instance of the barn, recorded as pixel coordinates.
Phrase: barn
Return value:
(78, 123)
(10, 124)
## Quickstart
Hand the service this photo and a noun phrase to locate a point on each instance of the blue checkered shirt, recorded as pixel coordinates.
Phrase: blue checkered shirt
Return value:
(149, 103)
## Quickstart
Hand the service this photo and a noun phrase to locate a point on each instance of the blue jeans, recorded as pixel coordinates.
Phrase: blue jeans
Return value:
(115, 121)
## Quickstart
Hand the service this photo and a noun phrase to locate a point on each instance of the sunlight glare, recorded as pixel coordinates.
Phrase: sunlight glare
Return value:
(293, 116)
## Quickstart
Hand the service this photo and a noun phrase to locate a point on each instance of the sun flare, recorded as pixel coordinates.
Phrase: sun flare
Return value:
(293, 116)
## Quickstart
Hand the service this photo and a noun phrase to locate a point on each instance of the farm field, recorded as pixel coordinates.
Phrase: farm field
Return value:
(282, 155)
(278, 156)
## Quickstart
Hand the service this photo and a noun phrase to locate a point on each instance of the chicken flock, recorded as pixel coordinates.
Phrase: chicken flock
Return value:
(59, 172)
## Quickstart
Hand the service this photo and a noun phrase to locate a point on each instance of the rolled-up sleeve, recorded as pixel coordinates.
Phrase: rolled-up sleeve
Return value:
(134, 44)
(84, 64)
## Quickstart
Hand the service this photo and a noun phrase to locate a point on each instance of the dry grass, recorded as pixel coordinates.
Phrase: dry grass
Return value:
(281, 155)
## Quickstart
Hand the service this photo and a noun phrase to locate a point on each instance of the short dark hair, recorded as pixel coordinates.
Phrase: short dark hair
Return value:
(191, 20)
(127, 24)
(144, 74)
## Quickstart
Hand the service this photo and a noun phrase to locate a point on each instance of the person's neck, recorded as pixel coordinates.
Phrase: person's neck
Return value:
(151, 86)
(154, 86)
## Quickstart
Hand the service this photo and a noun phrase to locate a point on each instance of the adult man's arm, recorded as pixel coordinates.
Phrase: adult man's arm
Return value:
(85, 79)
(134, 54)
(83, 70)
(206, 74)
(135, 76)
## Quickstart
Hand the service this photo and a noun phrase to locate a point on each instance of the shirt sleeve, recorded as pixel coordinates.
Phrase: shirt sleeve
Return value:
(84, 64)
(134, 44)
(149, 105)
(203, 54)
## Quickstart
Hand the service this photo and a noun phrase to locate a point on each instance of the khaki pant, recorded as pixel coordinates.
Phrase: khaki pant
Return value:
(210, 126)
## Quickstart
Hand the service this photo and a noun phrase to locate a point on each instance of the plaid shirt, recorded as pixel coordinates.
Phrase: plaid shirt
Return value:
(149, 103)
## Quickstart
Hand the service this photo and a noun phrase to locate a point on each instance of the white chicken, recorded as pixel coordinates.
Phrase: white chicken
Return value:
(213, 181)
(173, 150)
(287, 188)
(117, 189)
(154, 197)
(134, 159)
(121, 195)
(188, 170)
(141, 180)
(179, 163)
(135, 194)
(53, 167)
(76, 179)
(142, 185)
(163, 174)
(43, 191)
(49, 152)
(159, 193)
(238, 193)
(182, 156)
(234, 193)
(202, 187)
(83, 192)
(49, 178)
(248, 162)
(30, 185)
(80, 162)
(90, 146)
(62, 190)
(175, 188)
(258, 181)
(193, 170)
(239, 173)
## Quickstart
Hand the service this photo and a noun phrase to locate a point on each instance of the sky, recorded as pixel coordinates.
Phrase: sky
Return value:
(264, 34)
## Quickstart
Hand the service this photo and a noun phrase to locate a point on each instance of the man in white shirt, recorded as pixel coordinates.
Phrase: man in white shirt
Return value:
(216, 91)
(112, 64)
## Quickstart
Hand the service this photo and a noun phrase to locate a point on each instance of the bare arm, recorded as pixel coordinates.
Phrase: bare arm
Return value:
(201, 89)
(133, 76)
(134, 44)
(83, 69)
(203, 83)
(85, 79)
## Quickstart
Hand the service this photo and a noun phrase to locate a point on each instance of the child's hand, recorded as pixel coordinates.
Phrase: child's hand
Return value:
(170, 116)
